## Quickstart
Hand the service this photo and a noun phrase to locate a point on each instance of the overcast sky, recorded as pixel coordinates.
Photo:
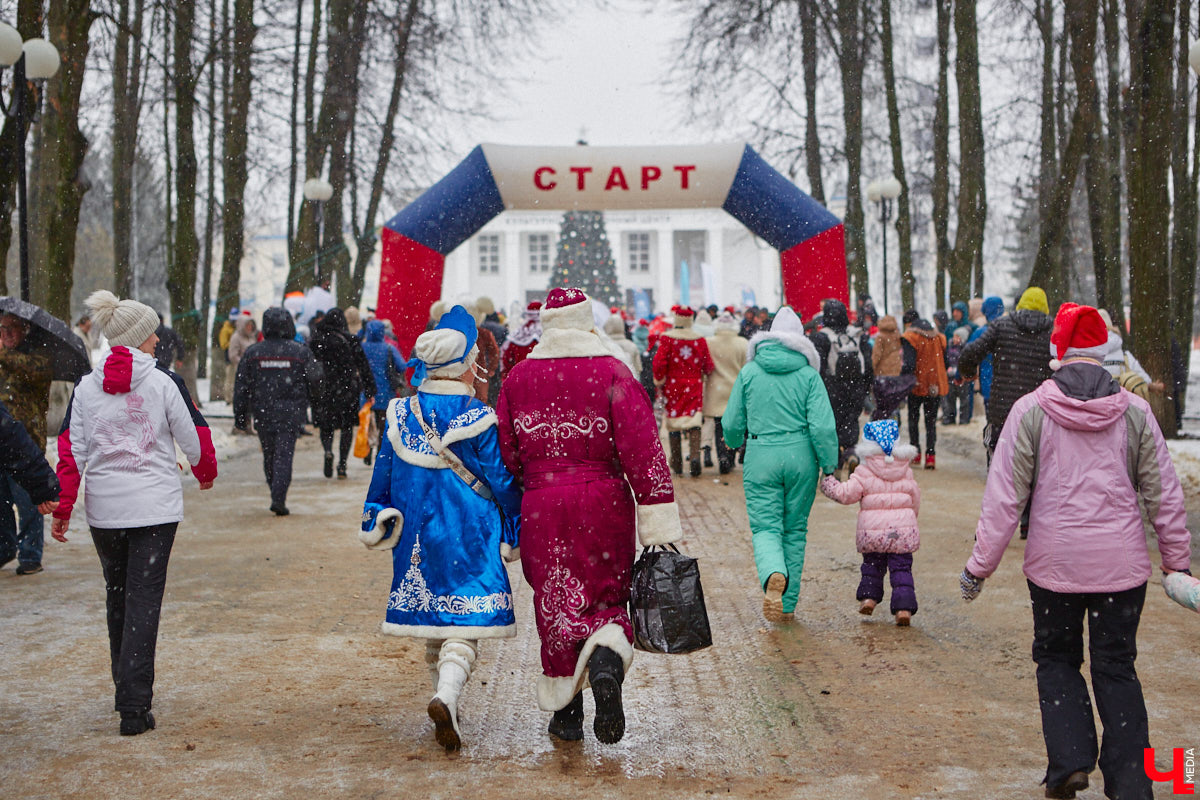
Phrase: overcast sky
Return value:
(600, 72)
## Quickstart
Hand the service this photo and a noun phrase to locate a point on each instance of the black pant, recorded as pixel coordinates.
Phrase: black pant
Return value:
(1067, 723)
(134, 562)
(279, 447)
(344, 442)
(725, 453)
(929, 407)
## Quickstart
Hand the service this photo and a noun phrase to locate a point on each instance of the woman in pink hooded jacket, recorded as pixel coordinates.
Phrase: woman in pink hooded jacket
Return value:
(887, 534)
(1087, 451)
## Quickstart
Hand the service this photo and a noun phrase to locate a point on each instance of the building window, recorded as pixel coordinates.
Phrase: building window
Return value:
(639, 252)
(539, 252)
(489, 254)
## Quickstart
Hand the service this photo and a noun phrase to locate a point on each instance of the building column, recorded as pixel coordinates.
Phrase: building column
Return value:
(514, 271)
(715, 256)
(664, 286)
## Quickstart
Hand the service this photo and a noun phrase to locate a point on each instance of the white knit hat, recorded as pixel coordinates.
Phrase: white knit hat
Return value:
(126, 323)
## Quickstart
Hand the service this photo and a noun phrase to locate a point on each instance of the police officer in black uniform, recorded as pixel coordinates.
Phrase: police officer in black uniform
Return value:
(275, 381)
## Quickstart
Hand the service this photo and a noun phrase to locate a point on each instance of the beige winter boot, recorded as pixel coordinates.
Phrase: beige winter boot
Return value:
(773, 597)
(454, 668)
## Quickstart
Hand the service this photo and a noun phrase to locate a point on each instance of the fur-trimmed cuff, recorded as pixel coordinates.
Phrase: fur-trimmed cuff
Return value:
(382, 536)
(658, 524)
(555, 693)
(509, 553)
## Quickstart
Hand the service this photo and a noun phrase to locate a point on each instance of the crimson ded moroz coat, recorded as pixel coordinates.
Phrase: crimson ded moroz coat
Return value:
(577, 428)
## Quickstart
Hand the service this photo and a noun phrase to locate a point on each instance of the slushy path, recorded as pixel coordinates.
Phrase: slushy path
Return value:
(273, 681)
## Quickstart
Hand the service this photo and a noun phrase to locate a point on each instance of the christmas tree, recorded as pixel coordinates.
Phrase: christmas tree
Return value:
(585, 259)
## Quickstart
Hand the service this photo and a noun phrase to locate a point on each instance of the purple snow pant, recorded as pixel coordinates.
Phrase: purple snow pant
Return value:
(875, 566)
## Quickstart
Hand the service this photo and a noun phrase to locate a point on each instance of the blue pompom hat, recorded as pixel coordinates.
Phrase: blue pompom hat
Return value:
(884, 433)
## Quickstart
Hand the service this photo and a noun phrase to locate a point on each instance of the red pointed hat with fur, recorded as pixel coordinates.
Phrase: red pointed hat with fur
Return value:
(1079, 332)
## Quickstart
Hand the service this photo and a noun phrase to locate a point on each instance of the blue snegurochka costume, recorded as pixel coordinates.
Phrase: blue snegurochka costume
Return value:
(449, 582)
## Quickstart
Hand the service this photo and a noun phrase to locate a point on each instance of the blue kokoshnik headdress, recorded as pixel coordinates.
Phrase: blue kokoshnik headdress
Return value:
(450, 342)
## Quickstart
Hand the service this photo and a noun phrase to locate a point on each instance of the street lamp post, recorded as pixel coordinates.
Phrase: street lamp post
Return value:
(35, 59)
(884, 192)
(318, 190)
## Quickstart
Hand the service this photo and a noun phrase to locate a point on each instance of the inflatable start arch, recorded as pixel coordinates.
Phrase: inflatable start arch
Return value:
(496, 178)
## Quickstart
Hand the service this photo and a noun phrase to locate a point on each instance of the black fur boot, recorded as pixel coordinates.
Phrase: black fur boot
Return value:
(606, 672)
(567, 722)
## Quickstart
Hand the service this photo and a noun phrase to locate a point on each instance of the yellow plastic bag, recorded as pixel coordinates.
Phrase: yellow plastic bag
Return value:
(362, 444)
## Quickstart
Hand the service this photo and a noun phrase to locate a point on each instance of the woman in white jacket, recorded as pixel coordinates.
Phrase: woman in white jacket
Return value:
(121, 428)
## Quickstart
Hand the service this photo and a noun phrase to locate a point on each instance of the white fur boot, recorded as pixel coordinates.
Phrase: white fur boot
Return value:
(455, 661)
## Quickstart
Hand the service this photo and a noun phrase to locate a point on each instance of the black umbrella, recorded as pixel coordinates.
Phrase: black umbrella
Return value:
(53, 337)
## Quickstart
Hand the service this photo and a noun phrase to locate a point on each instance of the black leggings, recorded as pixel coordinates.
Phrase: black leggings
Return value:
(344, 442)
(929, 407)
(134, 561)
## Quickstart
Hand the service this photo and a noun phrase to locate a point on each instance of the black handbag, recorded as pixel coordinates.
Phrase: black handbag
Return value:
(667, 603)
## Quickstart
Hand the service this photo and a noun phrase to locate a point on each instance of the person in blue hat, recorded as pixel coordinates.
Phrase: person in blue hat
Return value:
(443, 502)
(887, 534)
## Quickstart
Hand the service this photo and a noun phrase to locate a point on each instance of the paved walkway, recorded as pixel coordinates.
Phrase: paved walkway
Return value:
(273, 681)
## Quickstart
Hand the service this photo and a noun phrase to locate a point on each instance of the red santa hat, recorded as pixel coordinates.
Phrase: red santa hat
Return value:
(532, 312)
(569, 309)
(684, 316)
(1079, 332)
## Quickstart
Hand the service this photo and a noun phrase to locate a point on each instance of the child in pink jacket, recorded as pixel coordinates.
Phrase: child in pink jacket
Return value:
(887, 534)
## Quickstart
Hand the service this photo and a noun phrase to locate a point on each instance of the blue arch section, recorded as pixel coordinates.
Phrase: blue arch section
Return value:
(454, 208)
(773, 207)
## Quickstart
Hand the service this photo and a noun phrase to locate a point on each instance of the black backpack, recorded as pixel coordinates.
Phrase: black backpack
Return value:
(845, 362)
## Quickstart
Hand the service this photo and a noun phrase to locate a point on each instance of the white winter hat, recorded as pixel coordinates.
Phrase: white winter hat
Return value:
(448, 350)
(126, 323)
(568, 309)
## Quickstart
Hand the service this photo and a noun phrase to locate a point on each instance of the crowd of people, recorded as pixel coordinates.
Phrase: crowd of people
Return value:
(540, 439)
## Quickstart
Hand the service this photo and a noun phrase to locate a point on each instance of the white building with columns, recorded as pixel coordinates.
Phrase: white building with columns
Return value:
(511, 259)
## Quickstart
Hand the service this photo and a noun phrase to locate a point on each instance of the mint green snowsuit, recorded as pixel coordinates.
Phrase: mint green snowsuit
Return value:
(780, 399)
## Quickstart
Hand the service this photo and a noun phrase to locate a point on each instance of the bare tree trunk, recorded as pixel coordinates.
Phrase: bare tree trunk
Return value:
(58, 163)
(812, 141)
(1148, 156)
(181, 277)
(168, 161)
(29, 25)
(293, 168)
(972, 188)
(1183, 233)
(304, 241)
(210, 209)
(339, 102)
(903, 219)
(1048, 160)
(1079, 18)
(127, 106)
(941, 151)
(366, 235)
(851, 56)
(235, 173)
(1113, 297)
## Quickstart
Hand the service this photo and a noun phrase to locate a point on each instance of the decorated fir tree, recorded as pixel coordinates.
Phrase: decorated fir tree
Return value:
(585, 259)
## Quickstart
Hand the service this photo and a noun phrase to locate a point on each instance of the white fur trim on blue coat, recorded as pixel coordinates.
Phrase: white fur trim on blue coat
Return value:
(458, 431)
(378, 537)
